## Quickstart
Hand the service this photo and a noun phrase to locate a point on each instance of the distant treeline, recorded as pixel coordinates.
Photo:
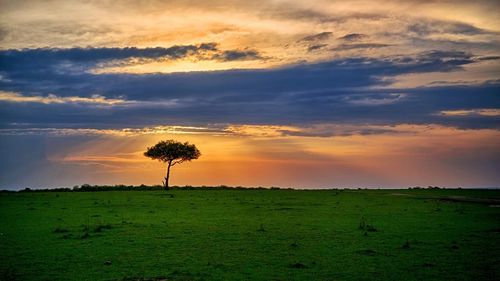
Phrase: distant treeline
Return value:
(142, 187)
(429, 187)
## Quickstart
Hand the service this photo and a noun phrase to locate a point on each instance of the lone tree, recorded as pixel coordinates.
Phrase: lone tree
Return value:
(172, 152)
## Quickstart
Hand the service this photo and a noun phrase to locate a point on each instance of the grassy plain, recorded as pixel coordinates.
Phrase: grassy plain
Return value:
(251, 235)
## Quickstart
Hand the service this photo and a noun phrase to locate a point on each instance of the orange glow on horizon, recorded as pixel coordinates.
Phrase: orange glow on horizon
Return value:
(411, 155)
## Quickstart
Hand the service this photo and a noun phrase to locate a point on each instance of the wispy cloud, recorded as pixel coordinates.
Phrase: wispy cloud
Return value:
(353, 37)
(319, 130)
(316, 130)
(375, 100)
(344, 47)
(53, 99)
(317, 37)
(493, 112)
(428, 27)
(316, 47)
(125, 132)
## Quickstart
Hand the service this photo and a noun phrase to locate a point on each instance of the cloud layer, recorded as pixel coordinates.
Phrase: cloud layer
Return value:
(349, 91)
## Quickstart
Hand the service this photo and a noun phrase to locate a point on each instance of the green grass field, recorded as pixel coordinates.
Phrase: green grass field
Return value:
(251, 235)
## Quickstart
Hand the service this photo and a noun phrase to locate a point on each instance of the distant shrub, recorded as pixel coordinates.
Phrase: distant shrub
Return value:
(366, 227)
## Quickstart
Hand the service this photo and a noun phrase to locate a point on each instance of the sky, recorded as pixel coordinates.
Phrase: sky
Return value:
(301, 94)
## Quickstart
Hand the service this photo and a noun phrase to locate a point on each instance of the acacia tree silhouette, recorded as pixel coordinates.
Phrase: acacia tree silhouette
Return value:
(172, 152)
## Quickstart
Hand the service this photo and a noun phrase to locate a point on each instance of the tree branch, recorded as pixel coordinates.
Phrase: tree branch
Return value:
(177, 162)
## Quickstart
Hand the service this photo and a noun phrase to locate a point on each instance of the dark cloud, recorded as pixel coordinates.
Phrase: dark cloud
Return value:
(426, 33)
(80, 59)
(353, 37)
(98, 54)
(317, 37)
(313, 42)
(448, 44)
(427, 61)
(316, 47)
(486, 58)
(344, 47)
(235, 55)
(346, 90)
(428, 27)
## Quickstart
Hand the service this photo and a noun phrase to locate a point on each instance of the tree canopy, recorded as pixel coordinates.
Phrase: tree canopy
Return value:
(172, 152)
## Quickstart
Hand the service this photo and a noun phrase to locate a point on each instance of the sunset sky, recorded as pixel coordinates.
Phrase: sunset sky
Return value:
(305, 94)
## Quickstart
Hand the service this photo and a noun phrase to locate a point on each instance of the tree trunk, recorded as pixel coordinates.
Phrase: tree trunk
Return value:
(168, 175)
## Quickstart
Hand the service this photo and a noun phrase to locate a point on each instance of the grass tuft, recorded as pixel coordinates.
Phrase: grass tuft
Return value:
(60, 230)
(406, 245)
(101, 227)
(261, 228)
(297, 265)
